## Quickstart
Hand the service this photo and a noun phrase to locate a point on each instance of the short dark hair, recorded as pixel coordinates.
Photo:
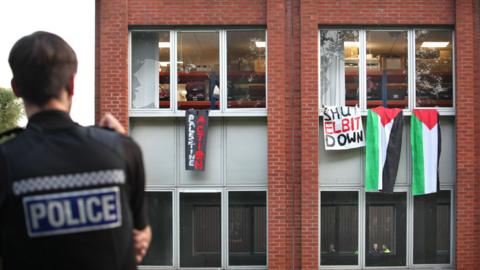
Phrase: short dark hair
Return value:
(42, 64)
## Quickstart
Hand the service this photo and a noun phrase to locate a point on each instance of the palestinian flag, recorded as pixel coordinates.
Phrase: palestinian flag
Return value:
(425, 137)
(384, 143)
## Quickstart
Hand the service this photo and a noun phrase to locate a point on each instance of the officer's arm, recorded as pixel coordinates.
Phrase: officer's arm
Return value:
(3, 192)
(142, 234)
(3, 179)
(136, 180)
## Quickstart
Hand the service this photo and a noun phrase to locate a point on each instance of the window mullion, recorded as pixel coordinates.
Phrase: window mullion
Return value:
(224, 227)
(223, 70)
(411, 70)
(362, 71)
(361, 227)
(173, 70)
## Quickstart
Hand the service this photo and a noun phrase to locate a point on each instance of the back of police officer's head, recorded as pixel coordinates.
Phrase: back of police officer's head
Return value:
(43, 65)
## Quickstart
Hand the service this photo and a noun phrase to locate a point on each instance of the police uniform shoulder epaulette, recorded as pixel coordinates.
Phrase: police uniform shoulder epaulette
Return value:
(10, 134)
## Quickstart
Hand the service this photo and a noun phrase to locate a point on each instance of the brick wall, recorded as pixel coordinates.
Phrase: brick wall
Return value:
(196, 12)
(112, 60)
(309, 126)
(293, 97)
(468, 228)
(384, 12)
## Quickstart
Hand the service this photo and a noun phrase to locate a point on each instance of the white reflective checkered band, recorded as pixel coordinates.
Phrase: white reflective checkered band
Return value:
(65, 181)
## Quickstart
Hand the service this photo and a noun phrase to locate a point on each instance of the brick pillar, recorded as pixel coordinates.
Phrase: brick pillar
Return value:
(467, 100)
(281, 81)
(309, 131)
(111, 57)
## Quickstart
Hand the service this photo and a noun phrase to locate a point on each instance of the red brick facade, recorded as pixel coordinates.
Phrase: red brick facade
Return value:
(292, 27)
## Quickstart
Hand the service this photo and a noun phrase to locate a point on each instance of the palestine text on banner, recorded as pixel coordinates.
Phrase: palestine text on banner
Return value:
(196, 127)
(342, 128)
(384, 143)
(425, 140)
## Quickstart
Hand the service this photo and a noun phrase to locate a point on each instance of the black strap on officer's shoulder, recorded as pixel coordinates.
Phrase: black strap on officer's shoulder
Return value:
(10, 134)
(107, 137)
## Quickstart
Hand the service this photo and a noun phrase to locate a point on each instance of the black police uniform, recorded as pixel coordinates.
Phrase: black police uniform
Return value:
(70, 196)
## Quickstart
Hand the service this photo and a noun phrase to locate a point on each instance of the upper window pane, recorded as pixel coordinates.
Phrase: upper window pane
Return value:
(433, 64)
(339, 225)
(339, 51)
(247, 228)
(387, 79)
(160, 216)
(386, 225)
(198, 70)
(246, 69)
(431, 239)
(150, 70)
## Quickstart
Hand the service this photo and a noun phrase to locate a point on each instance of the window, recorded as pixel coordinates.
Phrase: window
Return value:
(396, 68)
(198, 68)
(386, 224)
(247, 231)
(433, 65)
(360, 230)
(339, 56)
(215, 218)
(220, 70)
(339, 228)
(200, 230)
(246, 69)
(160, 216)
(150, 79)
(387, 71)
(432, 228)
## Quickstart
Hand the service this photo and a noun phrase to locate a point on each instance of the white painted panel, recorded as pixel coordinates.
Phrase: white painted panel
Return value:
(213, 169)
(156, 137)
(447, 169)
(246, 151)
(339, 167)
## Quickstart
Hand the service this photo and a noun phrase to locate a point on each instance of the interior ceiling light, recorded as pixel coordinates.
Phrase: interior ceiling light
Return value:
(434, 44)
(164, 44)
(260, 44)
(351, 43)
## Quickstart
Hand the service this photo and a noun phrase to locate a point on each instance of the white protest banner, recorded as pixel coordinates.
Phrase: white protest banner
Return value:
(343, 128)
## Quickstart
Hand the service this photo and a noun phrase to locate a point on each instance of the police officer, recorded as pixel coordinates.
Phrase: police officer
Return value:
(71, 197)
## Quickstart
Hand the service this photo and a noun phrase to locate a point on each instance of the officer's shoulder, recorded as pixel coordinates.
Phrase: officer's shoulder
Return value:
(10, 134)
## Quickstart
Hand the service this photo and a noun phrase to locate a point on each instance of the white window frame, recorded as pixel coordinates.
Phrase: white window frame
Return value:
(409, 229)
(173, 111)
(362, 71)
(224, 193)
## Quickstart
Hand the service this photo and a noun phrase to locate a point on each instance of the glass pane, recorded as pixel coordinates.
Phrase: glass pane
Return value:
(246, 69)
(339, 50)
(200, 230)
(386, 227)
(339, 228)
(198, 67)
(387, 79)
(160, 216)
(247, 228)
(431, 241)
(150, 70)
(433, 67)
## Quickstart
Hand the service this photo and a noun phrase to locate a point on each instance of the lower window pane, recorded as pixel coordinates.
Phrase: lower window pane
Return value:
(247, 228)
(200, 230)
(386, 229)
(160, 215)
(339, 228)
(431, 230)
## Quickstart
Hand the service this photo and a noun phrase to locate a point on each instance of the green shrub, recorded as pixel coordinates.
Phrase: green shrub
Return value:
(11, 109)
